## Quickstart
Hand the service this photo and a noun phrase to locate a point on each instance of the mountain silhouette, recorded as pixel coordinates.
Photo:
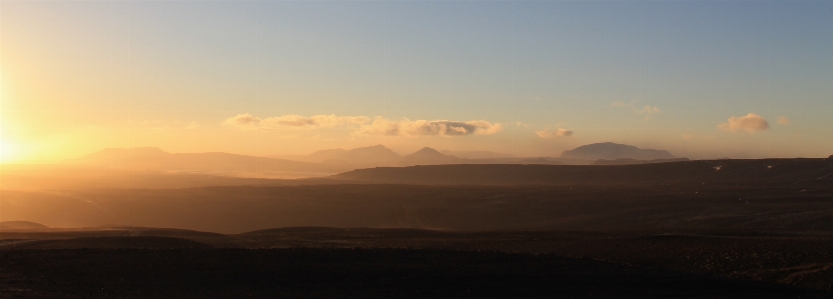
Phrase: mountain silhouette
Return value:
(477, 154)
(377, 155)
(429, 156)
(154, 159)
(21, 225)
(613, 151)
(114, 155)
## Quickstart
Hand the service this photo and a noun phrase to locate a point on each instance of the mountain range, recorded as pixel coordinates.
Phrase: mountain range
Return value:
(332, 161)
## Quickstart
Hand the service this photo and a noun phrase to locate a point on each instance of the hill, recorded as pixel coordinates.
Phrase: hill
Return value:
(613, 151)
(635, 161)
(116, 155)
(429, 156)
(376, 155)
(780, 171)
(477, 154)
(154, 159)
(21, 225)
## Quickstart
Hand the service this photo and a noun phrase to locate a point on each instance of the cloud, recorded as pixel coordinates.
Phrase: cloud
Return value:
(192, 125)
(242, 120)
(364, 126)
(316, 121)
(293, 121)
(546, 133)
(783, 120)
(647, 111)
(406, 127)
(749, 123)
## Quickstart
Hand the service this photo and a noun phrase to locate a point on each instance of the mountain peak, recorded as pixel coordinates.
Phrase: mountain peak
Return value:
(427, 156)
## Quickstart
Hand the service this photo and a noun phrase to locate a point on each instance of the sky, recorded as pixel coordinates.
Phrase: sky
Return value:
(702, 79)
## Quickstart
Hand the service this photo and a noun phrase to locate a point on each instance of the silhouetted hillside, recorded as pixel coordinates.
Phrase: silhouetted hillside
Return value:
(137, 242)
(613, 151)
(153, 159)
(635, 161)
(429, 156)
(117, 155)
(477, 154)
(779, 171)
(21, 225)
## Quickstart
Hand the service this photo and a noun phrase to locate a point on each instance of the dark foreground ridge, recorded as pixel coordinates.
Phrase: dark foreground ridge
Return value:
(350, 273)
(771, 171)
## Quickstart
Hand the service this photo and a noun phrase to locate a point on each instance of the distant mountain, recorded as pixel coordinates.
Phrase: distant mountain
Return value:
(805, 172)
(157, 160)
(635, 161)
(21, 225)
(429, 156)
(370, 156)
(613, 151)
(113, 155)
(477, 154)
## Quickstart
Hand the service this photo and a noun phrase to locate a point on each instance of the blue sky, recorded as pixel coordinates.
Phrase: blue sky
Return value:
(661, 74)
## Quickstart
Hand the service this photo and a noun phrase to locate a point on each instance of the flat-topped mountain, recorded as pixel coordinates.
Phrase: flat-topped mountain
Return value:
(375, 155)
(613, 151)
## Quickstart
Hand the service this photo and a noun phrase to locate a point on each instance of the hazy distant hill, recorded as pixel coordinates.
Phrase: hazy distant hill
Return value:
(154, 159)
(772, 171)
(613, 151)
(116, 155)
(376, 155)
(430, 156)
(477, 154)
(21, 225)
(635, 161)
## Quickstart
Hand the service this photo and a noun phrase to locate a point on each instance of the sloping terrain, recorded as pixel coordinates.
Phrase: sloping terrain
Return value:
(763, 171)
(351, 273)
(246, 208)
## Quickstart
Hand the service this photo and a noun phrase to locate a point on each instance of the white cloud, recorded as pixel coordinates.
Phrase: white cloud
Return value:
(546, 133)
(783, 120)
(192, 125)
(749, 123)
(406, 127)
(242, 120)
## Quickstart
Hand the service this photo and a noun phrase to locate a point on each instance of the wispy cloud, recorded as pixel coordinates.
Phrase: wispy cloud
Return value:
(547, 133)
(248, 121)
(749, 123)
(406, 127)
(364, 126)
(646, 111)
(783, 120)
(243, 120)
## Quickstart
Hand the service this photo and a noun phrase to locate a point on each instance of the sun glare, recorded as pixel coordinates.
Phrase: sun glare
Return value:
(8, 151)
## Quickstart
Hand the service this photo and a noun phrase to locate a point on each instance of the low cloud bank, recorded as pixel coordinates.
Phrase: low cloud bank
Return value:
(750, 123)
(546, 133)
(364, 126)
(647, 111)
(406, 127)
